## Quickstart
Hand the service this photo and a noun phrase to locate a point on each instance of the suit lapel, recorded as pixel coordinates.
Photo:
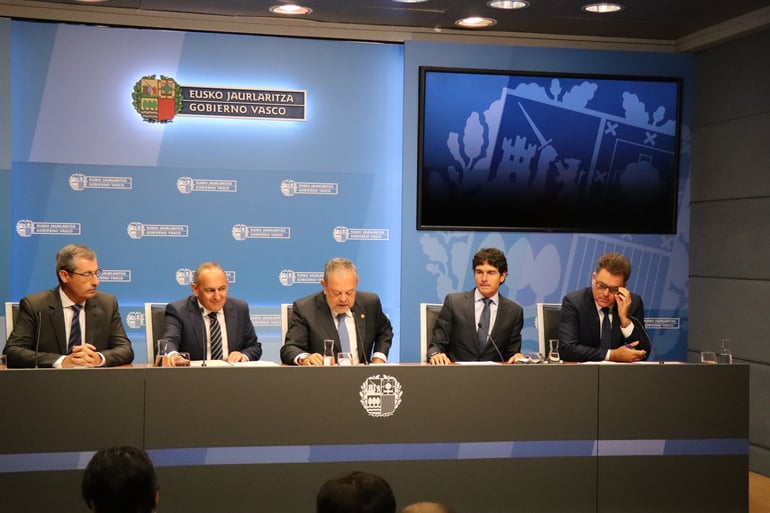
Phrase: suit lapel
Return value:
(473, 331)
(328, 326)
(359, 319)
(94, 314)
(56, 318)
(231, 324)
(198, 327)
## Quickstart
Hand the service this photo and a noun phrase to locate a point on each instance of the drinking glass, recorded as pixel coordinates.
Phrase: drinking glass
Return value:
(328, 352)
(535, 357)
(708, 357)
(553, 353)
(161, 353)
(345, 359)
(725, 353)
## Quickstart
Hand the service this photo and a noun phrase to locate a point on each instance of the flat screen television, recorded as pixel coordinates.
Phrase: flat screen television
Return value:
(523, 151)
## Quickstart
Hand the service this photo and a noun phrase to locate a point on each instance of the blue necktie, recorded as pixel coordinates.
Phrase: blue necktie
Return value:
(342, 329)
(483, 331)
(75, 337)
(606, 340)
(215, 337)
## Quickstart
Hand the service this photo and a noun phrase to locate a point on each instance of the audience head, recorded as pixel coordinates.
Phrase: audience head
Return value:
(339, 284)
(427, 507)
(490, 268)
(356, 492)
(209, 285)
(612, 272)
(120, 480)
(78, 272)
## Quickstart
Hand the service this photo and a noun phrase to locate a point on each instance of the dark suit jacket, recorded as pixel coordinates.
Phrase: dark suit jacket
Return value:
(455, 332)
(579, 328)
(312, 322)
(104, 329)
(186, 331)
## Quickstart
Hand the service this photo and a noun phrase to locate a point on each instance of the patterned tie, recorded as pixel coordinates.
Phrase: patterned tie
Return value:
(215, 336)
(342, 329)
(606, 340)
(75, 337)
(483, 331)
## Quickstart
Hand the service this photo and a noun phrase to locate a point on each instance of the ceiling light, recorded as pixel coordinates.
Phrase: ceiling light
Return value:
(507, 4)
(290, 9)
(475, 22)
(603, 7)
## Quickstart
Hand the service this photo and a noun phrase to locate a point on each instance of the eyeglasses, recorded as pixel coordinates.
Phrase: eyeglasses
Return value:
(89, 275)
(603, 287)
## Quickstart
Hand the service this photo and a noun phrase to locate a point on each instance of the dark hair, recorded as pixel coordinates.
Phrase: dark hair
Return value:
(120, 480)
(356, 492)
(615, 263)
(66, 258)
(491, 256)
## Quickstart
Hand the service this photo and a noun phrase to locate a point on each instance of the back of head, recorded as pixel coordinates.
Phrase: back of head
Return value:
(427, 507)
(120, 480)
(357, 492)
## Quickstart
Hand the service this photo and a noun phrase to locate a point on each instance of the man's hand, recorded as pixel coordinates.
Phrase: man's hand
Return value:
(82, 356)
(623, 300)
(313, 359)
(439, 359)
(377, 360)
(627, 354)
(517, 356)
(237, 356)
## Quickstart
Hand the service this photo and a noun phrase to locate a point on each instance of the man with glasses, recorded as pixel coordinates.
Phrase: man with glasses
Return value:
(604, 321)
(72, 325)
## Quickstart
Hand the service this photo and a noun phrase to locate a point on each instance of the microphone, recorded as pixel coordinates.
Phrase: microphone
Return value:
(205, 344)
(37, 335)
(489, 335)
(649, 338)
(360, 342)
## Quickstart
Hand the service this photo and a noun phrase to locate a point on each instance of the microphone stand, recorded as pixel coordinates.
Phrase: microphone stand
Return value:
(489, 336)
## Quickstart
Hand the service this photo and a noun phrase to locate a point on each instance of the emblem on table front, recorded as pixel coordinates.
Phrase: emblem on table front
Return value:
(380, 395)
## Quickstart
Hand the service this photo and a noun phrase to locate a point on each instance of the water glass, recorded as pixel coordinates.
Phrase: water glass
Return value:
(725, 354)
(345, 359)
(161, 353)
(553, 353)
(535, 357)
(708, 357)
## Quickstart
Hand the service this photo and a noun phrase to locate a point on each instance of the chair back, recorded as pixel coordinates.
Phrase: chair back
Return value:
(154, 326)
(547, 322)
(285, 318)
(428, 315)
(11, 311)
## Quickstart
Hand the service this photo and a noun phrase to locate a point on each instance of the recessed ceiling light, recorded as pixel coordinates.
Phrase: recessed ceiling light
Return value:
(507, 4)
(475, 22)
(603, 7)
(290, 9)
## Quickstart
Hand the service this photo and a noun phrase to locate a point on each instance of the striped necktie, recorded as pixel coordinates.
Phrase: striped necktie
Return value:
(215, 337)
(75, 336)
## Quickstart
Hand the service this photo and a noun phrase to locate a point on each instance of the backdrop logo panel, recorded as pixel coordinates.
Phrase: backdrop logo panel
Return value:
(135, 320)
(27, 228)
(287, 277)
(289, 188)
(344, 234)
(80, 182)
(116, 275)
(160, 100)
(137, 230)
(184, 276)
(186, 185)
(380, 395)
(243, 232)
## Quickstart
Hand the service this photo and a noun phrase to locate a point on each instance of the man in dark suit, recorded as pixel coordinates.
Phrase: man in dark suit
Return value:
(604, 321)
(72, 325)
(208, 324)
(338, 312)
(481, 324)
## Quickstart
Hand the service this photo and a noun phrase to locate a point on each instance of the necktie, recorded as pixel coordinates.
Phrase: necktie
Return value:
(215, 337)
(483, 331)
(75, 337)
(342, 329)
(606, 340)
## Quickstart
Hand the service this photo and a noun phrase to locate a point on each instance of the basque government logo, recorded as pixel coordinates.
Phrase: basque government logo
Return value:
(157, 100)
(380, 395)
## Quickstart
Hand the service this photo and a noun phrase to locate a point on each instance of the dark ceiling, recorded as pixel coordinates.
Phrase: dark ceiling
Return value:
(644, 19)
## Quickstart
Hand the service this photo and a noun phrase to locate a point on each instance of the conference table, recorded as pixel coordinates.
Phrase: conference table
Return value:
(483, 438)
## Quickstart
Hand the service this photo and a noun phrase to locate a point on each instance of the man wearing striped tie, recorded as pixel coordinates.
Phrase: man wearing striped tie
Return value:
(210, 325)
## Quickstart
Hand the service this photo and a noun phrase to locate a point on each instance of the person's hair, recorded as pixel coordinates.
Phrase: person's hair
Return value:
(615, 263)
(66, 258)
(427, 507)
(335, 264)
(120, 480)
(356, 492)
(205, 266)
(491, 256)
